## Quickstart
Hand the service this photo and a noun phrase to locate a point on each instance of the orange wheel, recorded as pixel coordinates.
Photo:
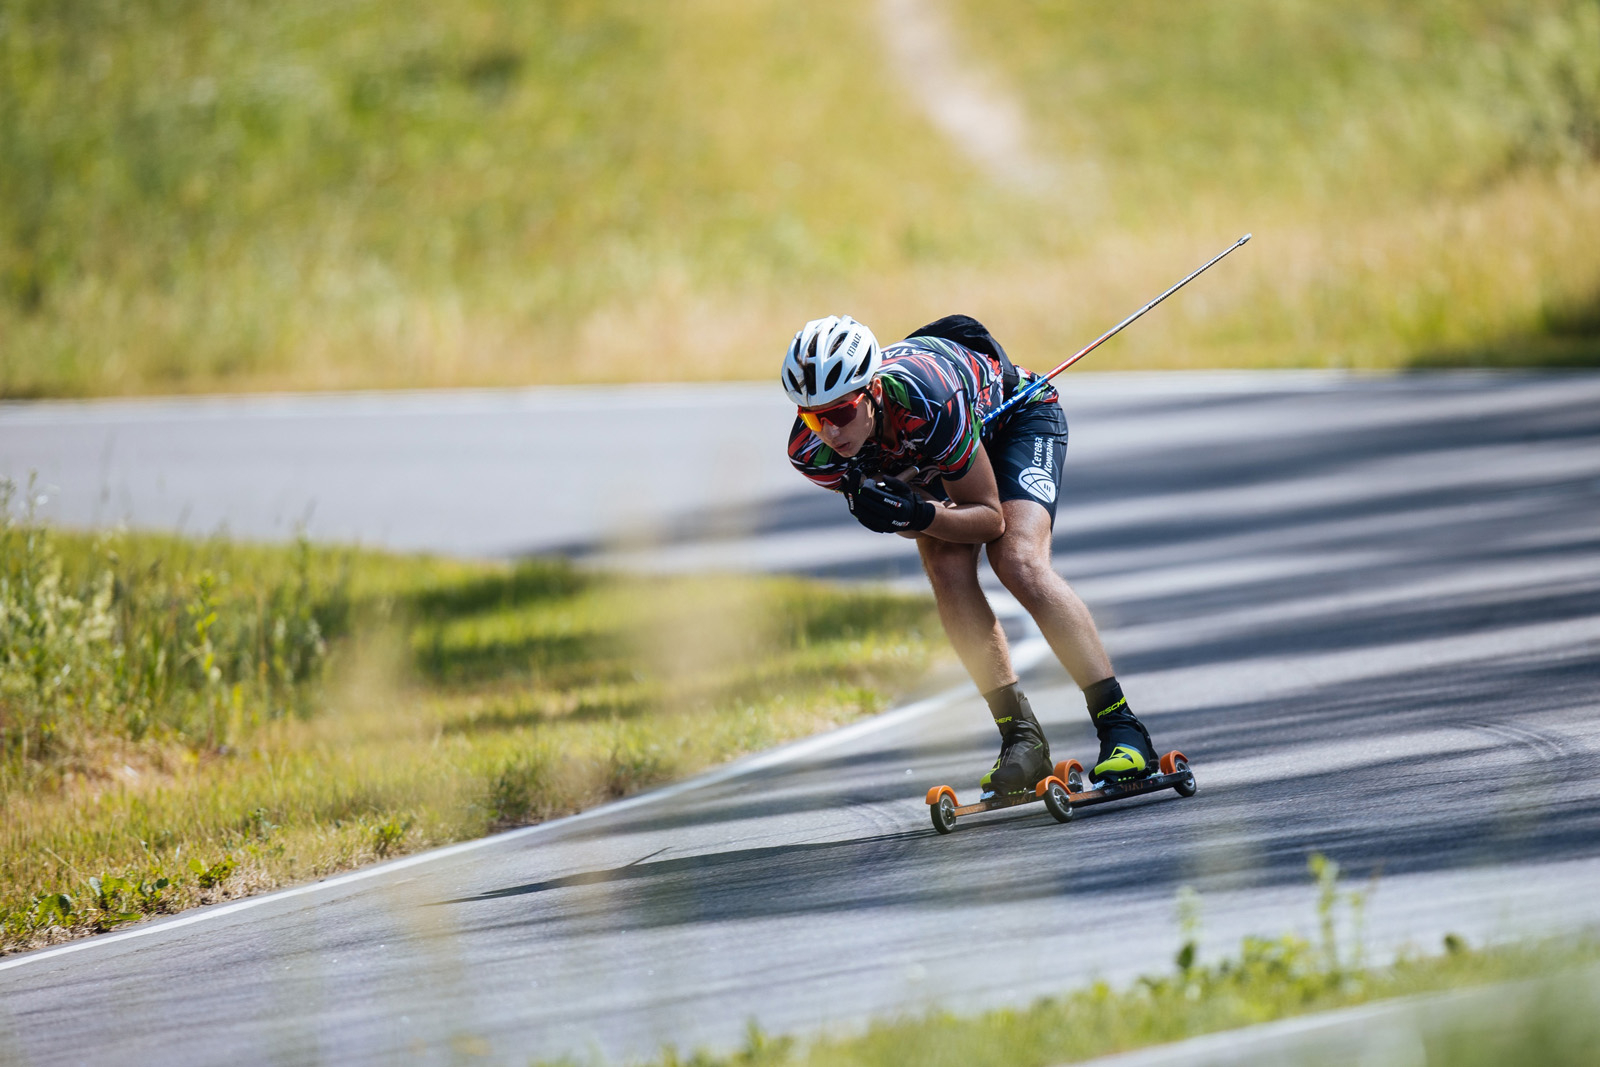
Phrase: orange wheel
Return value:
(1186, 786)
(1076, 780)
(1169, 762)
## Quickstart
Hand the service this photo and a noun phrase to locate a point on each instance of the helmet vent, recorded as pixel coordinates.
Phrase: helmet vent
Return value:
(810, 371)
(838, 343)
(795, 382)
(833, 376)
(861, 368)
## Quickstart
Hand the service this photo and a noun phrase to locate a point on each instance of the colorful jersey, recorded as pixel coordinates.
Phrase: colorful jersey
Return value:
(935, 395)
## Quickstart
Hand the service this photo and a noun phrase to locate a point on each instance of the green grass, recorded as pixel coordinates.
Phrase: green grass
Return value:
(1548, 1017)
(186, 721)
(1421, 177)
(1551, 1022)
(202, 194)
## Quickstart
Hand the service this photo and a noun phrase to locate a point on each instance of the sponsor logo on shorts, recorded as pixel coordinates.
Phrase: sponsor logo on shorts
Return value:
(1040, 479)
(1039, 483)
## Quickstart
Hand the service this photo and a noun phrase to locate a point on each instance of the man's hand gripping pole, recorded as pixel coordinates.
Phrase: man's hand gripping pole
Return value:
(1021, 395)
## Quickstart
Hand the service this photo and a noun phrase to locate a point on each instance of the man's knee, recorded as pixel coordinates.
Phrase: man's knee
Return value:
(948, 564)
(1027, 575)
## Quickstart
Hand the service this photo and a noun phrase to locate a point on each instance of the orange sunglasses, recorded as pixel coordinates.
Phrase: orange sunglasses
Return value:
(839, 413)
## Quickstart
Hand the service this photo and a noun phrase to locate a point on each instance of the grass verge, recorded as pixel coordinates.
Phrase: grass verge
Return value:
(185, 721)
(1550, 1018)
(198, 195)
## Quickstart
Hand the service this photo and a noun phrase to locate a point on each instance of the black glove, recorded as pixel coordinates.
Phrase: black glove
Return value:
(888, 505)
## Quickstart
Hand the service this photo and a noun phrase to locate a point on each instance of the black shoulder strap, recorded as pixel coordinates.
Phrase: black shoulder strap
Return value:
(968, 332)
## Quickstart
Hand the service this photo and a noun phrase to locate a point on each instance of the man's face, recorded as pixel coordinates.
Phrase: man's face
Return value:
(848, 438)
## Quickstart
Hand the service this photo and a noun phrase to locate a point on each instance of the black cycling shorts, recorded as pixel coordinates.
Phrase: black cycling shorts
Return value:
(1027, 454)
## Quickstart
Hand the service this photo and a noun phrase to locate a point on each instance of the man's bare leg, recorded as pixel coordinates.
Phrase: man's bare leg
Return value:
(971, 625)
(968, 619)
(1021, 560)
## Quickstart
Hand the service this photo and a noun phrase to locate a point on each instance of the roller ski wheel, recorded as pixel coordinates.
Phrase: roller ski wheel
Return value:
(1173, 763)
(1066, 788)
(1072, 774)
(1056, 801)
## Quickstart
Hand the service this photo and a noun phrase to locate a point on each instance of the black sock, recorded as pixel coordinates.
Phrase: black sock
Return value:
(1104, 698)
(1008, 705)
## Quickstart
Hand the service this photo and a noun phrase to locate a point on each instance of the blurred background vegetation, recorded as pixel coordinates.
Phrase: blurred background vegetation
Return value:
(185, 720)
(233, 194)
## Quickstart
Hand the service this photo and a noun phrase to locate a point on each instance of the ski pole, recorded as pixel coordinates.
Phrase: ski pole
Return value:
(1039, 383)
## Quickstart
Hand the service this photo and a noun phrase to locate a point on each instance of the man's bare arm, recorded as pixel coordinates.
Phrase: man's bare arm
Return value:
(972, 515)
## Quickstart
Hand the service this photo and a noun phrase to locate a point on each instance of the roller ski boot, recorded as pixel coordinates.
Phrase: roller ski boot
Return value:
(1126, 752)
(1024, 753)
(1024, 759)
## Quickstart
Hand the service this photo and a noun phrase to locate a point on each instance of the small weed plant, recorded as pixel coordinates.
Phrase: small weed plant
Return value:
(141, 645)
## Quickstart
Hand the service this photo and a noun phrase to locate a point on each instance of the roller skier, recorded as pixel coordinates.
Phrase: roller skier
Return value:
(904, 434)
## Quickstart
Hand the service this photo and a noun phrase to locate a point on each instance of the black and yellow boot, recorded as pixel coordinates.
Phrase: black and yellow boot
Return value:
(1024, 753)
(1126, 753)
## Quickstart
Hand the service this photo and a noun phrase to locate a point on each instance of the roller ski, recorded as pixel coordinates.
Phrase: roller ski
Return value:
(1064, 790)
(1022, 774)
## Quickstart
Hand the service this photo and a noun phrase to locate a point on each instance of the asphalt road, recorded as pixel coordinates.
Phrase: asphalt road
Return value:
(1368, 610)
(469, 473)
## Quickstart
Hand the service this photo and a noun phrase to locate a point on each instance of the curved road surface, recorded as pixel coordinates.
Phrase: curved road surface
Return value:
(1369, 610)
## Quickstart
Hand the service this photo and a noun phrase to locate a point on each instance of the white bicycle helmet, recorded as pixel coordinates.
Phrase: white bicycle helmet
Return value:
(829, 358)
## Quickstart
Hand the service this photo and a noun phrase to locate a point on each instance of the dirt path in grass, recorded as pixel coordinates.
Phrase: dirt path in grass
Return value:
(966, 102)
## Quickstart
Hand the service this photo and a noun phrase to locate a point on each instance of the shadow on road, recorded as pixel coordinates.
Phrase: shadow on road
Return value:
(1445, 765)
(1509, 795)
